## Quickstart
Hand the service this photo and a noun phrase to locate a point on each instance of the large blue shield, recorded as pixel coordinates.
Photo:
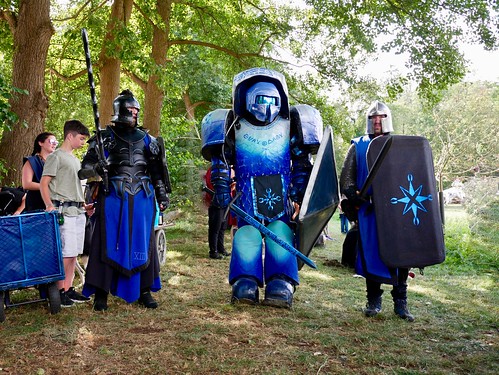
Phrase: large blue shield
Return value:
(406, 204)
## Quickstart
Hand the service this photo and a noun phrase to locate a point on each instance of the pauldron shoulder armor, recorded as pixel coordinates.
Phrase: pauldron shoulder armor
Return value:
(214, 129)
(306, 129)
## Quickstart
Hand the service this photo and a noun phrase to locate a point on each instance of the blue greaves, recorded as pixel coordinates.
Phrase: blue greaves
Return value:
(246, 258)
(278, 261)
(220, 179)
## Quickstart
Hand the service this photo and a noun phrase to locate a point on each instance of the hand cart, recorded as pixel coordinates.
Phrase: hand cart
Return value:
(30, 255)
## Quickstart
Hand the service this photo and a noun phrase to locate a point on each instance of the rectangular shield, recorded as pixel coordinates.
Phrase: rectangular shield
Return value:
(406, 204)
(321, 197)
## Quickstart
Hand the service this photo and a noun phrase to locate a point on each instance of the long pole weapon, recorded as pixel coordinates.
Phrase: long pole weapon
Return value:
(100, 147)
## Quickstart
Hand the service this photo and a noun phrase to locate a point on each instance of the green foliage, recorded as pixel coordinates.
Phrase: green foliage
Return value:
(346, 33)
(471, 241)
(7, 92)
(209, 41)
(459, 128)
(482, 205)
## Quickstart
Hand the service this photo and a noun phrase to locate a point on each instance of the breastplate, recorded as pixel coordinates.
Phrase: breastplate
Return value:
(126, 148)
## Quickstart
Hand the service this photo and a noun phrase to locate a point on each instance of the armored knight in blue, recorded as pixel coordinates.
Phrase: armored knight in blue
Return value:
(123, 259)
(269, 144)
(369, 263)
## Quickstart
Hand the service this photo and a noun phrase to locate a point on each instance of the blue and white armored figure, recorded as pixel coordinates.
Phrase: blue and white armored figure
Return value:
(269, 145)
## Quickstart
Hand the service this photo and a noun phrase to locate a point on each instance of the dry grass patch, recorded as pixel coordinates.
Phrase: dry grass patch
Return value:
(197, 331)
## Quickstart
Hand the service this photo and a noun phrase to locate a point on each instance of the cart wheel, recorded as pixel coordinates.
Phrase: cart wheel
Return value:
(2, 307)
(161, 246)
(54, 298)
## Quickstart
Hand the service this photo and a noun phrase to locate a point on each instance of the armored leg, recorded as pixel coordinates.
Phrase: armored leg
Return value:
(281, 268)
(374, 300)
(246, 268)
(399, 295)
(279, 293)
(245, 290)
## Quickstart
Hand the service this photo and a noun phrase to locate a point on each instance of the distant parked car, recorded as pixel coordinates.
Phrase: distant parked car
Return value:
(454, 195)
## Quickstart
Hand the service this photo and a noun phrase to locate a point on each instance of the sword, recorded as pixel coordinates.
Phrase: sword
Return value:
(375, 168)
(266, 231)
(100, 147)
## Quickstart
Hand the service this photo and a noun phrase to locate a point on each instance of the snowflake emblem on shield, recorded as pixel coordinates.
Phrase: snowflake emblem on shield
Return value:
(270, 199)
(412, 199)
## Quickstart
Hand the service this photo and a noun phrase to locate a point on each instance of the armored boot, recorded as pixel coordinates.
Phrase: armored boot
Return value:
(373, 306)
(245, 290)
(146, 300)
(400, 309)
(279, 293)
(100, 300)
(399, 295)
(374, 293)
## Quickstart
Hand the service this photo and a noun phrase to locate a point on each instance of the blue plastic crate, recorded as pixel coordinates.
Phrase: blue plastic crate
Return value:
(30, 250)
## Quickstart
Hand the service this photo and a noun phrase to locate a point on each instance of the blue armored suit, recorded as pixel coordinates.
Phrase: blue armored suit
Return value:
(269, 147)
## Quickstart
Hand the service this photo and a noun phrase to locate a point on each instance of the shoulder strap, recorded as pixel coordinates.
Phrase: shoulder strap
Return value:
(37, 166)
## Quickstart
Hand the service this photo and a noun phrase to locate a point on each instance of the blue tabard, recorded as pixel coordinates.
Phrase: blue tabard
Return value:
(263, 168)
(369, 263)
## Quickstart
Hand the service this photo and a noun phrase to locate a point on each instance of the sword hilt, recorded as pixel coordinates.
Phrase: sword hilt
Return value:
(232, 201)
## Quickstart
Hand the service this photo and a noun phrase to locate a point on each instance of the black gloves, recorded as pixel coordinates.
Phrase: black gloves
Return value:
(161, 195)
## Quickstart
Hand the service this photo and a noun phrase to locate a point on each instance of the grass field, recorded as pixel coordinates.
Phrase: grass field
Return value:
(197, 331)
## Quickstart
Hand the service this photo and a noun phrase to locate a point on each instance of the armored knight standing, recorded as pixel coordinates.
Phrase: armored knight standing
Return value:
(269, 146)
(123, 259)
(393, 238)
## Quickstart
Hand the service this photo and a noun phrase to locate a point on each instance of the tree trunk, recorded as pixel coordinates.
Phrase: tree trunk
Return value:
(110, 67)
(154, 95)
(32, 33)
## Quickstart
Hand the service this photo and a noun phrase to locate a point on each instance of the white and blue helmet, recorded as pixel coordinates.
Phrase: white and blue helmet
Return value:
(261, 94)
(263, 101)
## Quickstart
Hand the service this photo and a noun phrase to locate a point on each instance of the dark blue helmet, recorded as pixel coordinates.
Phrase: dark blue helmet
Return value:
(121, 105)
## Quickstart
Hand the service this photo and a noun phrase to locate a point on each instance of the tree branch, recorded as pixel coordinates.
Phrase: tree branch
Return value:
(144, 14)
(65, 78)
(10, 18)
(136, 79)
(77, 13)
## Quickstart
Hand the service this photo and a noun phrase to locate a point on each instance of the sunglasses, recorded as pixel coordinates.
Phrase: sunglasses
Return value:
(53, 142)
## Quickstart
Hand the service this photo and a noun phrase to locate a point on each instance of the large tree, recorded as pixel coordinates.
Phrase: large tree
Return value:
(31, 28)
(182, 55)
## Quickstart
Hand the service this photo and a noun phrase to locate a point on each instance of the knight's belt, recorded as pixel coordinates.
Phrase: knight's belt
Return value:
(130, 180)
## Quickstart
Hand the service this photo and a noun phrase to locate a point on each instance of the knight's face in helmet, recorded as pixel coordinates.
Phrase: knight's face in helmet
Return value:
(377, 124)
(378, 119)
(126, 111)
(263, 102)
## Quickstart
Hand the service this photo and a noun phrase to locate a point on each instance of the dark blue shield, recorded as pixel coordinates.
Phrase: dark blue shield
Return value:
(406, 204)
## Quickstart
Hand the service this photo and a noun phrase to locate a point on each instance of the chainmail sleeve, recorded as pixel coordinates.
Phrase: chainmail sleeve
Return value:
(348, 177)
